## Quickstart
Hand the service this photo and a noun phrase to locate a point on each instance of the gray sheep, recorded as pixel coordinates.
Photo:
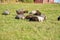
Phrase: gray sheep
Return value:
(6, 12)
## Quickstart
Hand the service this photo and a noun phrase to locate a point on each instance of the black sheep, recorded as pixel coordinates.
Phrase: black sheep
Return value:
(59, 18)
(37, 18)
(28, 16)
(33, 19)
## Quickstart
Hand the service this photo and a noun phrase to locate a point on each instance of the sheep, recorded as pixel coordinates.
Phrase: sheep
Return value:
(20, 17)
(59, 18)
(28, 16)
(40, 18)
(43, 15)
(20, 14)
(35, 12)
(31, 18)
(35, 18)
(6, 12)
(21, 11)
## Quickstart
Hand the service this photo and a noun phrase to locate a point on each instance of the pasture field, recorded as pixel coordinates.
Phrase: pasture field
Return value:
(12, 29)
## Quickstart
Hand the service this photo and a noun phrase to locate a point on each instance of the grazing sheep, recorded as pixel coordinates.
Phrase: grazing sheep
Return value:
(36, 12)
(59, 18)
(6, 12)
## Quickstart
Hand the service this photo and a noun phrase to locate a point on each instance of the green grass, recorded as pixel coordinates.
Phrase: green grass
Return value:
(12, 29)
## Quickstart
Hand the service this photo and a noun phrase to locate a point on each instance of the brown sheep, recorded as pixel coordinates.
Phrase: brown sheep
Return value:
(20, 14)
(21, 11)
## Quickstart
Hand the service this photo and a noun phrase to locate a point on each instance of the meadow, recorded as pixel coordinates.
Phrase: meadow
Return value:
(13, 29)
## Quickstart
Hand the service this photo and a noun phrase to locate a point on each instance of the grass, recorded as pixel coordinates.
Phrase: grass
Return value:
(12, 29)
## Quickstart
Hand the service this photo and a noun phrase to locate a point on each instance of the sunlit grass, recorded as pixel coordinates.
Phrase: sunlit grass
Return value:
(12, 29)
